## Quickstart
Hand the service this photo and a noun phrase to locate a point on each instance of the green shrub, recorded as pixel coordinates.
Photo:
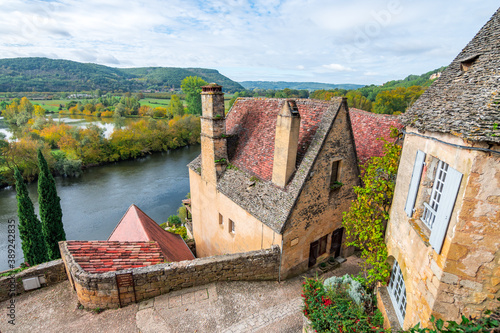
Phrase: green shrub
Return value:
(483, 325)
(174, 220)
(332, 309)
(181, 231)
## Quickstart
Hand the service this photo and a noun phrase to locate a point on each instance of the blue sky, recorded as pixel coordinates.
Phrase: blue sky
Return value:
(290, 40)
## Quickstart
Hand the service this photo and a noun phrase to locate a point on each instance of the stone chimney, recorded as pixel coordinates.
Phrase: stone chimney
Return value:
(213, 133)
(285, 143)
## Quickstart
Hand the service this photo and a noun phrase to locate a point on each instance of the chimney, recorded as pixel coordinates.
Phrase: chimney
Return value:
(285, 143)
(213, 132)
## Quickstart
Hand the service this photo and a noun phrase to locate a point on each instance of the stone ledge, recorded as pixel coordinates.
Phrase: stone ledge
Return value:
(384, 304)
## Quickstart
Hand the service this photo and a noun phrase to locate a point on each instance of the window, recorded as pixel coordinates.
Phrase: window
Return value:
(438, 209)
(430, 209)
(231, 226)
(221, 219)
(466, 64)
(335, 176)
(397, 292)
(322, 244)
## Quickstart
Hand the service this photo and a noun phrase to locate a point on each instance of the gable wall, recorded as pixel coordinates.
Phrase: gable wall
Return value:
(318, 210)
(213, 239)
(459, 280)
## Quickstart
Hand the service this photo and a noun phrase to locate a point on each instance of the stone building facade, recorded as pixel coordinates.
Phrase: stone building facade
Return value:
(273, 172)
(443, 236)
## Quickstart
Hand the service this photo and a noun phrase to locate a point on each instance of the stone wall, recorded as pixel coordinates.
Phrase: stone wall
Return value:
(100, 290)
(463, 279)
(53, 272)
(318, 210)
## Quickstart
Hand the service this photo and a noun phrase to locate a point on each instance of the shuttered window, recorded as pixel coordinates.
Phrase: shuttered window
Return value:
(414, 183)
(397, 291)
(438, 211)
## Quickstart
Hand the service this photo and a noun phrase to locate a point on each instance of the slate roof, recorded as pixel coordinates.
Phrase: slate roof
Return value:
(465, 103)
(106, 256)
(136, 226)
(251, 124)
(367, 127)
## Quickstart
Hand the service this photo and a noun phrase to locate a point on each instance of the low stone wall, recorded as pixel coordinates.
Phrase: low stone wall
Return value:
(101, 290)
(52, 271)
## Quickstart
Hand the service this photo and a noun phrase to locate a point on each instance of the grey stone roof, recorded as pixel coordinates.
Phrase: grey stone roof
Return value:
(465, 103)
(262, 199)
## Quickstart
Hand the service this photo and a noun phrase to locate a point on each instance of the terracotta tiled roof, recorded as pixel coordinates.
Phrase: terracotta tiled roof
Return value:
(367, 127)
(251, 124)
(106, 256)
(136, 226)
(465, 100)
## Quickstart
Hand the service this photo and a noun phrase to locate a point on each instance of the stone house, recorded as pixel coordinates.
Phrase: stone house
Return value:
(443, 236)
(273, 172)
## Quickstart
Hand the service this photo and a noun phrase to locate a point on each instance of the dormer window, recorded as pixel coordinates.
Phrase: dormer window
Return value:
(466, 63)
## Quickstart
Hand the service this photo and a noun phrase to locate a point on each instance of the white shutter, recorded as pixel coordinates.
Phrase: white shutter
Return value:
(415, 182)
(445, 209)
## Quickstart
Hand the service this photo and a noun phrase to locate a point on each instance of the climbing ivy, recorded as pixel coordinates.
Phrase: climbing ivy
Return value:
(366, 220)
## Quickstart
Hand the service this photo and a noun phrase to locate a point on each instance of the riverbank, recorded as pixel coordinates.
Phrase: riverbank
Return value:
(67, 148)
(95, 202)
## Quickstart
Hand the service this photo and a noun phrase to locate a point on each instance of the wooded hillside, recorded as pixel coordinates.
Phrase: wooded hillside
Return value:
(50, 75)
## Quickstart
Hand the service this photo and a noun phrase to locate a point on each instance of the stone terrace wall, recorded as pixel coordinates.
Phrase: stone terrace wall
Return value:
(100, 290)
(52, 271)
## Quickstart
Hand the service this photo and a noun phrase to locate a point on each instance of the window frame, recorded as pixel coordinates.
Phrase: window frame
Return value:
(232, 228)
(335, 174)
(397, 292)
(434, 210)
(323, 242)
(221, 220)
(438, 191)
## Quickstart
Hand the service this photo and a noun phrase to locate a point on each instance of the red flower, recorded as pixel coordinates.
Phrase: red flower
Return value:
(327, 302)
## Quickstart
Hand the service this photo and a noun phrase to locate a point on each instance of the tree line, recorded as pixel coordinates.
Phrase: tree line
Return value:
(68, 148)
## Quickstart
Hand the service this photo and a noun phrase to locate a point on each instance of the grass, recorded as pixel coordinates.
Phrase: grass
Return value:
(14, 271)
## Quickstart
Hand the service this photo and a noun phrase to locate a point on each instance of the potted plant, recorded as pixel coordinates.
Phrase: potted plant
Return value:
(322, 266)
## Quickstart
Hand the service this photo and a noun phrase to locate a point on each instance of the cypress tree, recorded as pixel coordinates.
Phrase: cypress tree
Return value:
(30, 229)
(50, 209)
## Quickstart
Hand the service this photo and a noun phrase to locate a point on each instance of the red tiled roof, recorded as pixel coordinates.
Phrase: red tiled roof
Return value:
(252, 125)
(367, 127)
(106, 256)
(136, 226)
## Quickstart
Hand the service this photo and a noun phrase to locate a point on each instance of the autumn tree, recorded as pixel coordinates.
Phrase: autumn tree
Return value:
(119, 110)
(30, 229)
(176, 108)
(191, 87)
(356, 100)
(366, 220)
(50, 209)
(397, 100)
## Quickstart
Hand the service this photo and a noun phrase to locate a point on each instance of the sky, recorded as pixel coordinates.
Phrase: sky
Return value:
(330, 41)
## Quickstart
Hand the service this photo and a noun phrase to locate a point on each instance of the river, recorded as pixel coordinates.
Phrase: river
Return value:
(95, 202)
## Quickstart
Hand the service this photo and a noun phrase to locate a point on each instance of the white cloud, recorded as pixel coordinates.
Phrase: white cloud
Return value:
(249, 39)
(338, 68)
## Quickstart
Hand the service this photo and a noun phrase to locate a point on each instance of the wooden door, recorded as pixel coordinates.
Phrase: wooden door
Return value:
(336, 242)
(313, 253)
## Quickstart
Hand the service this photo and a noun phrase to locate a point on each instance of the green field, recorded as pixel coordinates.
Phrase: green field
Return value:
(52, 105)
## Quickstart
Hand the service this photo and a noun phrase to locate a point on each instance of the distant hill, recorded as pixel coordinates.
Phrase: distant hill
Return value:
(279, 85)
(423, 80)
(51, 75)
